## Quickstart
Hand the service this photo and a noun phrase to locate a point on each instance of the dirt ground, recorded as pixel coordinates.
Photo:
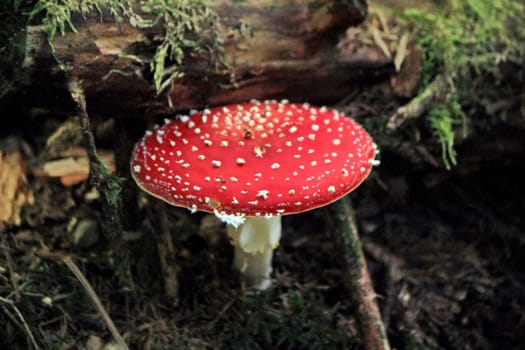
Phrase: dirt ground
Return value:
(444, 248)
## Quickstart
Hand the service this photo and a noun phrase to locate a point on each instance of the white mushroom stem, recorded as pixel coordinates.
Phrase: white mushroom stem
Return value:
(254, 242)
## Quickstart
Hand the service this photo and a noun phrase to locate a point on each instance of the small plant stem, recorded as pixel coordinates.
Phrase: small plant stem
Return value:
(357, 279)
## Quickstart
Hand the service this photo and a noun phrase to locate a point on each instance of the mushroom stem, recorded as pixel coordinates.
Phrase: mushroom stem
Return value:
(255, 269)
(254, 242)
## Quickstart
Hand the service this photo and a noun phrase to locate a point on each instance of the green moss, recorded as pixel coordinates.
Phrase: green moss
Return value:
(467, 40)
(184, 22)
(469, 36)
(442, 118)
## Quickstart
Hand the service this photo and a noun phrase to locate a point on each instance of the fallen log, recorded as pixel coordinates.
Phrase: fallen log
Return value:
(291, 49)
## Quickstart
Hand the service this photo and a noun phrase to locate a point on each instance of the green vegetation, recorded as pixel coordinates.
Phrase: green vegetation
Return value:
(184, 23)
(300, 321)
(471, 36)
(442, 118)
(277, 319)
(467, 43)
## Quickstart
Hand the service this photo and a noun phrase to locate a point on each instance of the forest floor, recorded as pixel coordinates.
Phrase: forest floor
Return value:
(444, 248)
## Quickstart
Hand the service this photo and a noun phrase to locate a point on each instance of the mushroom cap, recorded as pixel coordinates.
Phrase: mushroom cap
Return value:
(254, 159)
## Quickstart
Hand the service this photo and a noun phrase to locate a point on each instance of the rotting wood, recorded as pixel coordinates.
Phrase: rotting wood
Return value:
(405, 82)
(290, 50)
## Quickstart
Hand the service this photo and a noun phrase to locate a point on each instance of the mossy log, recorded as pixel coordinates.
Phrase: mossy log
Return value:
(286, 49)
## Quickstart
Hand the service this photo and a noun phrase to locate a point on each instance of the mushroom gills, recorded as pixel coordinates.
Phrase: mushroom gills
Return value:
(254, 242)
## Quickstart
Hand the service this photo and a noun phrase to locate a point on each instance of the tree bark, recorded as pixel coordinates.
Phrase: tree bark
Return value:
(289, 49)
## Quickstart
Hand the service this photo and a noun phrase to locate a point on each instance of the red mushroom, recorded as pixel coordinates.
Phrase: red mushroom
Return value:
(252, 163)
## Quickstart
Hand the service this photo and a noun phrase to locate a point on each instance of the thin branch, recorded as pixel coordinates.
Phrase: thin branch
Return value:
(357, 277)
(437, 90)
(107, 184)
(10, 264)
(393, 275)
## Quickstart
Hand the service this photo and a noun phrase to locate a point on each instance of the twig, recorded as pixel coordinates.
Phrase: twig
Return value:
(357, 277)
(435, 91)
(107, 184)
(96, 301)
(394, 274)
(9, 262)
(166, 253)
(396, 297)
(22, 319)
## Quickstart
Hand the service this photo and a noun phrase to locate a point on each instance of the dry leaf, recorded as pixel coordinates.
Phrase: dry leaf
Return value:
(14, 191)
(378, 40)
(401, 51)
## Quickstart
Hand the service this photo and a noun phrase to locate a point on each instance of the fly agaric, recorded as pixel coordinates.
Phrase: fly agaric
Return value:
(251, 163)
